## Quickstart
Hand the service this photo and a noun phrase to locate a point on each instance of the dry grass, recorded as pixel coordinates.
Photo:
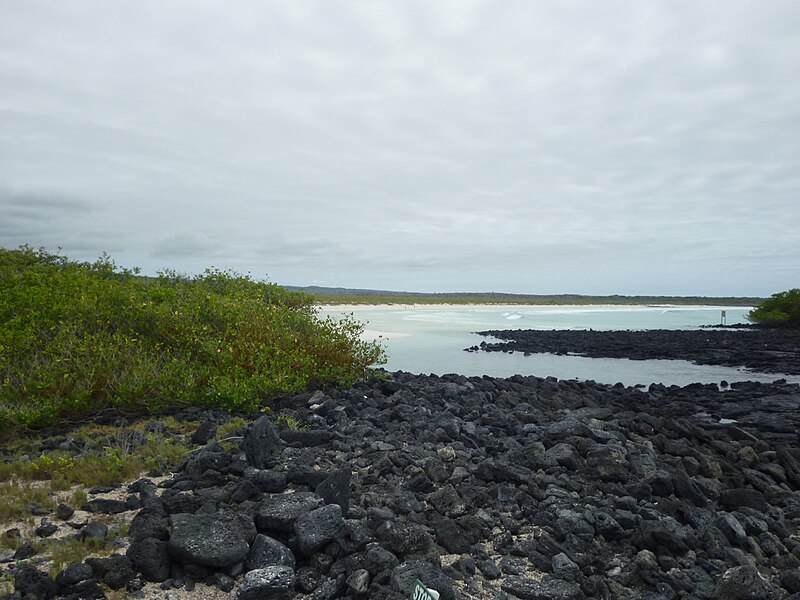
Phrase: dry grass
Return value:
(17, 499)
(113, 455)
(66, 551)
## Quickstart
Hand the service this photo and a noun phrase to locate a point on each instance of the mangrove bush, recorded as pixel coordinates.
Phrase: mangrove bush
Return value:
(77, 338)
(780, 310)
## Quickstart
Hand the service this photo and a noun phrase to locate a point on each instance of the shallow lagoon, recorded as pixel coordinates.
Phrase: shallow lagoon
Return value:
(431, 339)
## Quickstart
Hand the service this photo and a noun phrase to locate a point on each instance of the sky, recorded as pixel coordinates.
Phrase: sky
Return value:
(616, 147)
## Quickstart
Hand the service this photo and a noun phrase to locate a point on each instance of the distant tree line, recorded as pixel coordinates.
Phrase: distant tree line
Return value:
(327, 295)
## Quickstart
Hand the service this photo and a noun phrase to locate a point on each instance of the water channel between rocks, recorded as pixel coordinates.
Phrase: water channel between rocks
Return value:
(431, 339)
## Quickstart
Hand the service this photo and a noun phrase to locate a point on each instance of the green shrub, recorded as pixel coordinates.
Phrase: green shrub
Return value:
(781, 310)
(77, 338)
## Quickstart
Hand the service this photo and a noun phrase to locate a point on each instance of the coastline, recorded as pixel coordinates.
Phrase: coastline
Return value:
(512, 307)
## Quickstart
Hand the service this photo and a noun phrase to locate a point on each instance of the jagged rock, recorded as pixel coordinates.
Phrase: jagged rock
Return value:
(261, 443)
(447, 502)
(335, 488)
(330, 588)
(267, 480)
(790, 580)
(46, 528)
(308, 579)
(732, 529)
(564, 568)
(77, 581)
(378, 559)
(737, 498)
(64, 512)
(276, 583)
(306, 438)
(609, 463)
(268, 552)
(214, 540)
(32, 583)
(358, 581)
(549, 589)
(451, 537)
(205, 432)
(94, 531)
(745, 583)
(665, 532)
(317, 528)
(607, 526)
(25, 550)
(150, 557)
(74, 573)
(148, 523)
(410, 539)
(279, 513)
(115, 571)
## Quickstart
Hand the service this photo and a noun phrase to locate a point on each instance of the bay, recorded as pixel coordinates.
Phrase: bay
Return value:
(432, 338)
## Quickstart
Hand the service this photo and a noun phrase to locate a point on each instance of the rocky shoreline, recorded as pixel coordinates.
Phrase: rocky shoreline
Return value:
(524, 488)
(760, 349)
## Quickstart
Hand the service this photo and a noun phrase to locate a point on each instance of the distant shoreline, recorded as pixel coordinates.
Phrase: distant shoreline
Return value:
(346, 306)
(348, 296)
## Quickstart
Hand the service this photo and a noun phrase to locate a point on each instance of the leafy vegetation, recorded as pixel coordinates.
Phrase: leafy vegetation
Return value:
(780, 310)
(79, 338)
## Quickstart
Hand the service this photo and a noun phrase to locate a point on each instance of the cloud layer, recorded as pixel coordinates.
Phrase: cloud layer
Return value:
(620, 147)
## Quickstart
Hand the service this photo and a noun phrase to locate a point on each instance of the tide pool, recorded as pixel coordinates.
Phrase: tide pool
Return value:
(431, 339)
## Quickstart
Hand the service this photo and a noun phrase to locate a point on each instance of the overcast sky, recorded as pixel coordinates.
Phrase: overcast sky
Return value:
(633, 147)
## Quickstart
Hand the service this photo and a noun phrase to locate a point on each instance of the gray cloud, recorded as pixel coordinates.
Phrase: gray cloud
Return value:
(620, 147)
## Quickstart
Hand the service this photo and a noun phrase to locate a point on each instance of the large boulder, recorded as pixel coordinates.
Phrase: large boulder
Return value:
(151, 558)
(115, 571)
(743, 497)
(275, 583)
(316, 529)
(77, 581)
(149, 523)
(335, 488)
(745, 583)
(733, 530)
(609, 463)
(268, 552)
(210, 539)
(278, 513)
(32, 583)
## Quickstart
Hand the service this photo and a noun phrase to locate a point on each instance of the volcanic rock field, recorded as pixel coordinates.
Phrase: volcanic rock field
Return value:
(478, 487)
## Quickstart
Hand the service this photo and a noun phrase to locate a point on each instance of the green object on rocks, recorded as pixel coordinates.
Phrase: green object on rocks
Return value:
(420, 592)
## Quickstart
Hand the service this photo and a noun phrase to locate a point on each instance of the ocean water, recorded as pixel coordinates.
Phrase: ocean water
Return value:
(431, 339)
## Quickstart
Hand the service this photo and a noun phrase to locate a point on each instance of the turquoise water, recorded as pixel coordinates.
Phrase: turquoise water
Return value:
(425, 339)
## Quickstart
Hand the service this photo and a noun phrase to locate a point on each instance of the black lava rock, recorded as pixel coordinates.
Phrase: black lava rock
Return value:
(151, 558)
(32, 583)
(210, 539)
(261, 443)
